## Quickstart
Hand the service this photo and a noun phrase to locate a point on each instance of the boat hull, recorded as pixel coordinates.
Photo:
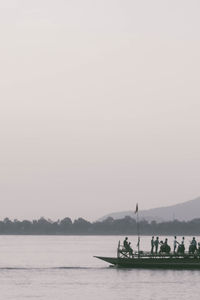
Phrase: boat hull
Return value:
(153, 263)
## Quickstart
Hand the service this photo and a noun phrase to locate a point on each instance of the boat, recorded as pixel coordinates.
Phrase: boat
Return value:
(147, 260)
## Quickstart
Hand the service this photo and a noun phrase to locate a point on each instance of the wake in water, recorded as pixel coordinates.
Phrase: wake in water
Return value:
(52, 268)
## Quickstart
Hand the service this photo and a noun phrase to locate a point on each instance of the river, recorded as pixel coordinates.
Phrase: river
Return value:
(63, 267)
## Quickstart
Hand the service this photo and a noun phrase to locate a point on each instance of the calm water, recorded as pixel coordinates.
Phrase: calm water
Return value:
(63, 267)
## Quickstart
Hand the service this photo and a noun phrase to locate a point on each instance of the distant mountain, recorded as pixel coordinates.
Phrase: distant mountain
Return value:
(184, 212)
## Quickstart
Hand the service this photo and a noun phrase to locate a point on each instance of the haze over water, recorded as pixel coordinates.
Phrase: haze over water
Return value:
(99, 110)
(63, 267)
(99, 106)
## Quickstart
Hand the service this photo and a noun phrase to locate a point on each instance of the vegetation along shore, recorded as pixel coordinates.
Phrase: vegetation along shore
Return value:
(80, 226)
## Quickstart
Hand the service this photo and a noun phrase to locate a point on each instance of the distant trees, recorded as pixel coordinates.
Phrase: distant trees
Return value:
(65, 225)
(80, 226)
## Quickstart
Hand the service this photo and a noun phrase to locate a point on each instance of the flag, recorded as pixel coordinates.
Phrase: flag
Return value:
(136, 209)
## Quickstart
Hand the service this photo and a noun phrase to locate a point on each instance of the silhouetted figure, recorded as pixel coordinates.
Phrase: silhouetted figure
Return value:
(167, 247)
(175, 244)
(164, 248)
(161, 246)
(198, 250)
(152, 244)
(126, 244)
(181, 248)
(193, 246)
(130, 249)
(156, 243)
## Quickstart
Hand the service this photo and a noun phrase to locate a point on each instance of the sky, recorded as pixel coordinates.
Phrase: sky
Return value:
(99, 106)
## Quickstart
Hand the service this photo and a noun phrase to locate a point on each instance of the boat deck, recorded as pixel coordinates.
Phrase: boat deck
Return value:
(171, 261)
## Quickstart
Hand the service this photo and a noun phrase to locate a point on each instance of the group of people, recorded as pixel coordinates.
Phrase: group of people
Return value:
(165, 248)
(178, 247)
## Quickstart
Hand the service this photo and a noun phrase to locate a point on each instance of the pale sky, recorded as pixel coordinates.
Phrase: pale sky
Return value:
(100, 106)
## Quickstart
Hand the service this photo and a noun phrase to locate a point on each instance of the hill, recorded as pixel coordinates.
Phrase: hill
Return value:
(183, 212)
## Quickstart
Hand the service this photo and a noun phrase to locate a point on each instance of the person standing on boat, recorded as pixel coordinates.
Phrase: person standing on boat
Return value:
(193, 246)
(198, 250)
(156, 243)
(130, 249)
(152, 244)
(175, 244)
(194, 243)
(181, 248)
(167, 247)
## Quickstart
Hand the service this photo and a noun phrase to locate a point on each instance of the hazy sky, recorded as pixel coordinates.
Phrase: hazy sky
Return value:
(100, 106)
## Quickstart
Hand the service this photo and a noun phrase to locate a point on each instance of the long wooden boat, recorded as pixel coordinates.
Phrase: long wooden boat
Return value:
(147, 260)
(154, 263)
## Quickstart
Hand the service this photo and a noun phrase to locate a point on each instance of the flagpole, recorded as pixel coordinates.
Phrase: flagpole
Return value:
(138, 229)
(138, 233)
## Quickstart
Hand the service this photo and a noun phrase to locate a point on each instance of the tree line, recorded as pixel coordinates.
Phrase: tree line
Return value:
(80, 226)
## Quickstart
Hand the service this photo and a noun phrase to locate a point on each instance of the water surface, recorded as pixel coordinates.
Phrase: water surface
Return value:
(63, 267)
